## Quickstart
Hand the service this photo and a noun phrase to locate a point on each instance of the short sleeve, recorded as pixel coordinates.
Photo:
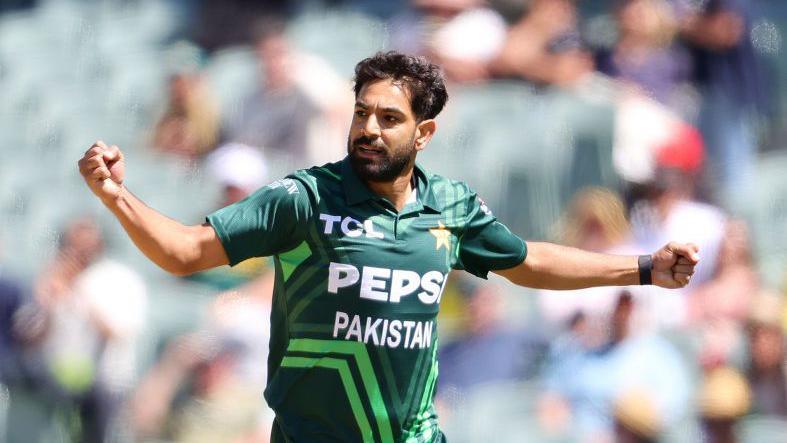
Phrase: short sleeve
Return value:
(272, 220)
(486, 244)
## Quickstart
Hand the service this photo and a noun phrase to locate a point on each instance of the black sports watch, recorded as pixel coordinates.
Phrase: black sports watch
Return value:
(645, 267)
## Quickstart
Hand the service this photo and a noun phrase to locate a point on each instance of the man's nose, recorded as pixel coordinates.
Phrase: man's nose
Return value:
(370, 127)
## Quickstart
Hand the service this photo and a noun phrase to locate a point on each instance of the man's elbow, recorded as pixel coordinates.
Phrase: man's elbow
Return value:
(183, 261)
(178, 269)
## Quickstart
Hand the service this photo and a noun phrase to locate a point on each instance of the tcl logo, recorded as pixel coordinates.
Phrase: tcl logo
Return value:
(349, 226)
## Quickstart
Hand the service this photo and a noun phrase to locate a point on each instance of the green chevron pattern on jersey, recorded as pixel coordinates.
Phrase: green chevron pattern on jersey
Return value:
(356, 295)
(358, 351)
(292, 259)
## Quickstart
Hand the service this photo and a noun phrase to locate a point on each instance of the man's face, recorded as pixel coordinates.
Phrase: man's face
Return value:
(274, 53)
(382, 141)
(83, 240)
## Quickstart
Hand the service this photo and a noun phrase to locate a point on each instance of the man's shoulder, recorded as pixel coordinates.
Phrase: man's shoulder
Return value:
(441, 182)
(319, 175)
(449, 191)
(319, 181)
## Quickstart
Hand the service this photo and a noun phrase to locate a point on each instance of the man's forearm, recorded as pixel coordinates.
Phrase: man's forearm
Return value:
(551, 266)
(168, 243)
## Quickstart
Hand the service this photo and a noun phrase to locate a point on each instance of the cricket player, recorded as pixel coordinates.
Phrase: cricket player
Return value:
(362, 250)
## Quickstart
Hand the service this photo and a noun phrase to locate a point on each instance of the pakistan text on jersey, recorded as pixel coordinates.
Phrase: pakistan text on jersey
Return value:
(393, 333)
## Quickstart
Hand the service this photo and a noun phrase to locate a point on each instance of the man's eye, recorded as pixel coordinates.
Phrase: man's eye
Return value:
(391, 119)
(360, 113)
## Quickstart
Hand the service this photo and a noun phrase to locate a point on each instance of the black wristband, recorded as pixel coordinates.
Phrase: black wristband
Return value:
(645, 263)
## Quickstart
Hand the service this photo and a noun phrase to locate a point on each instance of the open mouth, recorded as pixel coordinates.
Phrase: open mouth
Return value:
(370, 150)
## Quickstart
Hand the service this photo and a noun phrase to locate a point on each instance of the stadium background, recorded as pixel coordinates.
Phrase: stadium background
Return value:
(543, 103)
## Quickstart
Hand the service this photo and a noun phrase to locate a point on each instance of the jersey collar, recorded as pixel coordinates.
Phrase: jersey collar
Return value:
(355, 191)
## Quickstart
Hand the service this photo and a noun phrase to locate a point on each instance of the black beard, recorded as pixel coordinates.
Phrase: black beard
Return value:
(385, 169)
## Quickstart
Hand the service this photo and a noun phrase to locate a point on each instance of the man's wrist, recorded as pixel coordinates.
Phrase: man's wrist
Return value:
(645, 266)
(111, 201)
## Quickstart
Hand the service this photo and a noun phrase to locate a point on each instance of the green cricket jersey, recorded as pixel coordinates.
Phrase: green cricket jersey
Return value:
(358, 285)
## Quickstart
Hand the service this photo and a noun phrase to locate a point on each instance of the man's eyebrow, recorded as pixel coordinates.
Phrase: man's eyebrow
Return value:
(392, 109)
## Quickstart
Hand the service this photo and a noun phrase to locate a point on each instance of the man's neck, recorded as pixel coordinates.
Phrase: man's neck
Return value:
(396, 191)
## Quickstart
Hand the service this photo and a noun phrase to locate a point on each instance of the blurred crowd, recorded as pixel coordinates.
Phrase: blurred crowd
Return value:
(693, 93)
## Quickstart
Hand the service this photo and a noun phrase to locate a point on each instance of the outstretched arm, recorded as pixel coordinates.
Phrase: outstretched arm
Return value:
(551, 266)
(176, 248)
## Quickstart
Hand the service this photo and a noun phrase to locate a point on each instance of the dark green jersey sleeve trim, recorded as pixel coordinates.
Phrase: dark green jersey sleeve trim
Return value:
(272, 220)
(486, 244)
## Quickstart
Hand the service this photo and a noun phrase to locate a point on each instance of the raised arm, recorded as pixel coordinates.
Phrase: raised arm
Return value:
(176, 248)
(551, 266)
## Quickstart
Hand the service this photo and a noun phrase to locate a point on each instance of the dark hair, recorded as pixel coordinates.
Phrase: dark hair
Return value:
(422, 79)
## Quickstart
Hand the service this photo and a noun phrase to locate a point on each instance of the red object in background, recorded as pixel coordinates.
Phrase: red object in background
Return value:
(685, 150)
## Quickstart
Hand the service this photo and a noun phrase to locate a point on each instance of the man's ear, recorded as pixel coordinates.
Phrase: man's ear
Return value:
(424, 132)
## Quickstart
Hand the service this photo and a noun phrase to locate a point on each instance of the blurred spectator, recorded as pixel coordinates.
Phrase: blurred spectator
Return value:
(645, 54)
(193, 395)
(719, 308)
(190, 124)
(595, 220)
(94, 309)
(544, 46)
(733, 86)
(661, 159)
(239, 170)
(460, 35)
(207, 386)
(648, 137)
(25, 390)
(642, 127)
(487, 351)
(243, 315)
(724, 398)
(669, 209)
(295, 90)
(583, 380)
(240, 313)
(767, 371)
(684, 151)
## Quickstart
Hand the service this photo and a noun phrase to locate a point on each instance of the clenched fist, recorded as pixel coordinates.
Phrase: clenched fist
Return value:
(103, 169)
(673, 265)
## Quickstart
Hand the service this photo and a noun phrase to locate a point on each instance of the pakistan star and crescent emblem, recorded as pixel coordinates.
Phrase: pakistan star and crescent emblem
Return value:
(442, 236)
